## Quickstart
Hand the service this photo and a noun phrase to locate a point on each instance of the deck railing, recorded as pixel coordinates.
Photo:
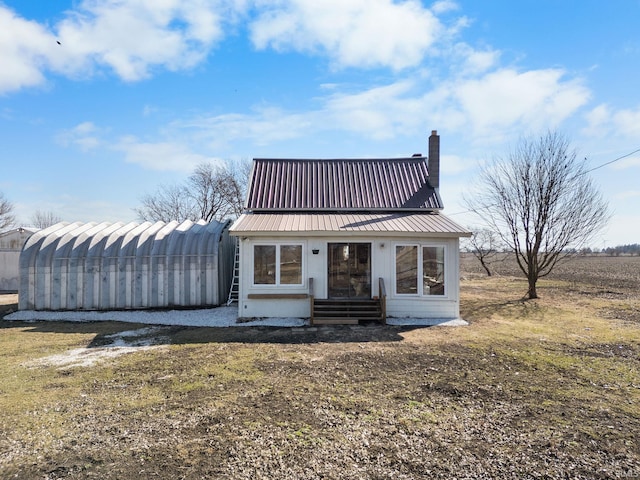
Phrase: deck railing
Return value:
(383, 299)
(311, 301)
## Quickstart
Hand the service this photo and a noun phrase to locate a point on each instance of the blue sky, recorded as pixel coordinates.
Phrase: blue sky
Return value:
(138, 92)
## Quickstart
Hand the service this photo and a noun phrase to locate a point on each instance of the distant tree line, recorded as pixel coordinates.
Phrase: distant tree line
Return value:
(40, 219)
(632, 249)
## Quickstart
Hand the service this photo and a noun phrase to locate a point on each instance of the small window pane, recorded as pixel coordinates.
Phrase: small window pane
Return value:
(406, 269)
(291, 264)
(433, 270)
(264, 264)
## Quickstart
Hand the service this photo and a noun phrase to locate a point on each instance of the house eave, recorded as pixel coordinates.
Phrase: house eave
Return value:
(329, 211)
(379, 224)
(328, 233)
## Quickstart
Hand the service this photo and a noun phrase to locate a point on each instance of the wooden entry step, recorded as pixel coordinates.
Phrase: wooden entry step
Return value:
(346, 312)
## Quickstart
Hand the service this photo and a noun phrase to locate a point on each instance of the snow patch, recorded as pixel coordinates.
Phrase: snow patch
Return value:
(85, 357)
(225, 316)
(427, 322)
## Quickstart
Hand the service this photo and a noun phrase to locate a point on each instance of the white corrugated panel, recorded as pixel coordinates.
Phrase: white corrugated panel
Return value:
(114, 266)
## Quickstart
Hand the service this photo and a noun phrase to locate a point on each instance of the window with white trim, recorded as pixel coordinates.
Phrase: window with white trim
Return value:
(407, 269)
(277, 264)
(425, 262)
(432, 270)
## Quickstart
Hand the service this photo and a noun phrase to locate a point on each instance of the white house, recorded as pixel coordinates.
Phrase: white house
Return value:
(342, 241)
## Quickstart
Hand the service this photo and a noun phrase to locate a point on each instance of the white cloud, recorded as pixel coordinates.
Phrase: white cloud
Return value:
(167, 156)
(85, 136)
(630, 162)
(626, 195)
(25, 47)
(132, 37)
(627, 122)
(603, 120)
(128, 37)
(454, 164)
(443, 6)
(473, 61)
(489, 107)
(265, 125)
(353, 33)
(598, 121)
(380, 112)
(506, 98)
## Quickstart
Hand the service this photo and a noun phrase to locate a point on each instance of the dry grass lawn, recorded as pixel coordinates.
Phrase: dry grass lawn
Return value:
(539, 389)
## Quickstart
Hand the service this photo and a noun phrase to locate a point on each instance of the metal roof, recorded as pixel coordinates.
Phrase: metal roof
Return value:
(341, 185)
(318, 224)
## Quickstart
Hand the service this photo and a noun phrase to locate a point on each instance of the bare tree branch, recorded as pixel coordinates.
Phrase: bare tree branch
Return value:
(541, 203)
(169, 203)
(7, 219)
(484, 244)
(211, 192)
(42, 219)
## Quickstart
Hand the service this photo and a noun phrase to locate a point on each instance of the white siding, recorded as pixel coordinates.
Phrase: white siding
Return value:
(11, 243)
(315, 266)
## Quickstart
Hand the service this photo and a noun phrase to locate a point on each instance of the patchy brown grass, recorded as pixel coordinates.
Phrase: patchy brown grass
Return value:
(539, 389)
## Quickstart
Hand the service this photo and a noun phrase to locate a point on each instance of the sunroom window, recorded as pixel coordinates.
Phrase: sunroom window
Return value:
(425, 262)
(264, 264)
(277, 264)
(407, 269)
(433, 270)
(290, 264)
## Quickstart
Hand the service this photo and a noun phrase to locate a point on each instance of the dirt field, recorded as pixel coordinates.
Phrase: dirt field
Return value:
(540, 389)
(621, 272)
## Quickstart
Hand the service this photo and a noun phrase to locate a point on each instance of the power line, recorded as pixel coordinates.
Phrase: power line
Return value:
(613, 161)
(583, 173)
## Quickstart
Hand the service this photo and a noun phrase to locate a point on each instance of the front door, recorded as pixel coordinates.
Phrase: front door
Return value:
(349, 270)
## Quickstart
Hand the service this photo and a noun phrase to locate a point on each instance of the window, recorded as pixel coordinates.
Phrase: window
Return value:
(406, 269)
(433, 270)
(291, 264)
(264, 264)
(277, 264)
(426, 262)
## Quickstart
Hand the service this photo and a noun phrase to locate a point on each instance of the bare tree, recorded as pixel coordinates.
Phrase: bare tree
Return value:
(7, 219)
(170, 202)
(216, 191)
(541, 202)
(484, 244)
(212, 192)
(42, 219)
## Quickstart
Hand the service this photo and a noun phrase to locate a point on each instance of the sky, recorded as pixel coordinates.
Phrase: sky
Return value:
(104, 101)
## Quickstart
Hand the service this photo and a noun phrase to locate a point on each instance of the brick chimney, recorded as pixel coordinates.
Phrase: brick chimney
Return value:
(434, 159)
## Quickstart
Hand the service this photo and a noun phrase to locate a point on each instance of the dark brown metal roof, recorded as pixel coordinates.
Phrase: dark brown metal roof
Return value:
(434, 224)
(341, 185)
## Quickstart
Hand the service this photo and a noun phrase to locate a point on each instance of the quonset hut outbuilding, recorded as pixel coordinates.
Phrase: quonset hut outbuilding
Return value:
(118, 266)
